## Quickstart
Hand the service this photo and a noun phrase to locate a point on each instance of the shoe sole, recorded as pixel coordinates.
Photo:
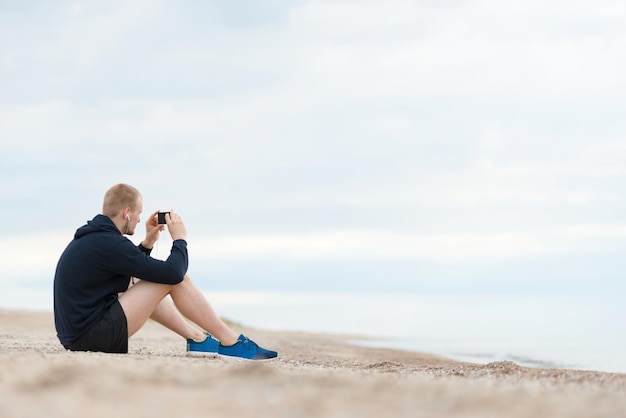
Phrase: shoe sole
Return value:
(201, 354)
(243, 359)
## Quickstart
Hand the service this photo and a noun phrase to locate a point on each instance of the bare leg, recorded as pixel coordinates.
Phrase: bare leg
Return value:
(167, 315)
(140, 301)
(192, 304)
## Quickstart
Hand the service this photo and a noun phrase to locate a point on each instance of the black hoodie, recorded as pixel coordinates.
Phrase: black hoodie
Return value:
(98, 264)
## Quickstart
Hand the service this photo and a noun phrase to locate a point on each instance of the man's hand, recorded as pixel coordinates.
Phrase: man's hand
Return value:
(176, 226)
(152, 231)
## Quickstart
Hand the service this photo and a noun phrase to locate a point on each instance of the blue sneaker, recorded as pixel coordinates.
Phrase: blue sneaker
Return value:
(246, 349)
(207, 347)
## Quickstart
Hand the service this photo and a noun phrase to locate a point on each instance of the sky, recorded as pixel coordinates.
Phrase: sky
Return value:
(404, 146)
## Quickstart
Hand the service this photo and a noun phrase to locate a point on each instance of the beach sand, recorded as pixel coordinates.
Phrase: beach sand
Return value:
(315, 376)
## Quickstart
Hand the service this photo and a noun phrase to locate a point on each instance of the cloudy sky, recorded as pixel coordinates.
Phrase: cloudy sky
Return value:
(324, 145)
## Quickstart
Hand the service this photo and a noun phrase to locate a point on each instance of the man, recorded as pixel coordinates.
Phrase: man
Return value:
(106, 288)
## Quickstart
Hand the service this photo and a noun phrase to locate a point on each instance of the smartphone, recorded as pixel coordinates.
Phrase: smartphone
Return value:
(161, 217)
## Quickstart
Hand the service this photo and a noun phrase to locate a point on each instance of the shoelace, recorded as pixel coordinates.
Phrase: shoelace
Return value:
(249, 343)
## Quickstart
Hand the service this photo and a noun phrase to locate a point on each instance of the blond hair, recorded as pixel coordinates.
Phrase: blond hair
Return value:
(118, 198)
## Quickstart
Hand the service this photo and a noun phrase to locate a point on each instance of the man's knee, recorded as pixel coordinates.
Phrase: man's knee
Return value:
(186, 280)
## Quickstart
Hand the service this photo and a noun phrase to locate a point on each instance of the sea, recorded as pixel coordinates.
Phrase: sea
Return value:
(531, 330)
(535, 330)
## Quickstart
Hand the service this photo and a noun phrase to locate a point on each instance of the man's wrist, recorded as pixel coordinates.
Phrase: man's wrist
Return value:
(147, 245)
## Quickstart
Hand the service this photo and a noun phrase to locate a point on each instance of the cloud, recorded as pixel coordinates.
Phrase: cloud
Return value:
(385, 245)
(456, 130)
(33, 257)
(30, 257)
(308, 52)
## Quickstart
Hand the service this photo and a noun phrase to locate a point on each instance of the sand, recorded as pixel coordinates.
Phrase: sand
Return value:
(315, 376)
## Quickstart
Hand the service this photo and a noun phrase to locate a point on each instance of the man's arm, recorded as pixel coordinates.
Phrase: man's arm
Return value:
(127, 259)
(153, 228)
(141, 265)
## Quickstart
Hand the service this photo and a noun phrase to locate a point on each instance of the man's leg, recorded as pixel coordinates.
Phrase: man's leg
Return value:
(140, 301)
(167, 315)
(192, 304)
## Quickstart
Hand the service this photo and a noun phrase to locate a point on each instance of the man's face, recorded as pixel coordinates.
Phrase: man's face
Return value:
(134, 217)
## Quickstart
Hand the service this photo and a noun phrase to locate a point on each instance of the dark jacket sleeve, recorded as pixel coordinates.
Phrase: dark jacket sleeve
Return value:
(128, 259)
(144, 250)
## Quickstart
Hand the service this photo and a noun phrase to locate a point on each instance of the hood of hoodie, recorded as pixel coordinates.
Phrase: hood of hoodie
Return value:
(100, 223)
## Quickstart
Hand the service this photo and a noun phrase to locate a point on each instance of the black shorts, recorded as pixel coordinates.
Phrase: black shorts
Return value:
(110, 335)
